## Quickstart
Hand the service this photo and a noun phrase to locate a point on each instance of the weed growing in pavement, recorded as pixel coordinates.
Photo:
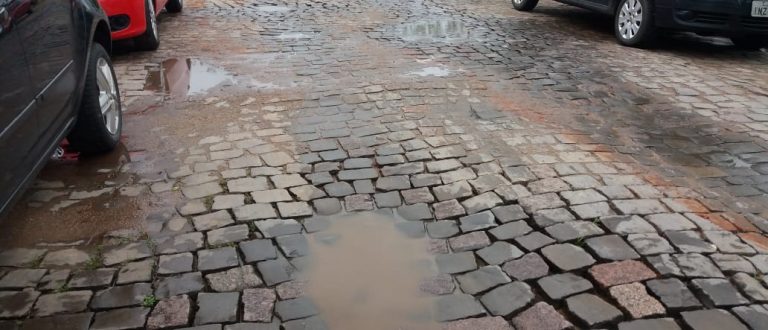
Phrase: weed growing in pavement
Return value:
(149, 301)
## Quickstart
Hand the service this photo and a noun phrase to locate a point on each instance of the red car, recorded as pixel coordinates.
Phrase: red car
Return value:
(137, 19)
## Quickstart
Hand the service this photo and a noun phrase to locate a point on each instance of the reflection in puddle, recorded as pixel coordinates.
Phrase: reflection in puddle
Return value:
(436, 71)
(442, 29)
(293, 35)
(365, 274)
(273, 9)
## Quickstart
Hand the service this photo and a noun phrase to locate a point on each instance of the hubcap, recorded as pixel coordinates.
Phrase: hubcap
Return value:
(108, 101)
(630, 18)
(152, 19)
(517, 1)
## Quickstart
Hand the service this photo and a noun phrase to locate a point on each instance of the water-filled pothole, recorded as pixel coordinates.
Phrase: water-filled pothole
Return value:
(446, 29)
(180, 77)
(364, 273)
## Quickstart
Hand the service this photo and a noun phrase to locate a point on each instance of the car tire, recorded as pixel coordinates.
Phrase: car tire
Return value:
(99, 119)
(633, 23)
(750, 42)
(150, 40)
(524, 5)
(174, 6)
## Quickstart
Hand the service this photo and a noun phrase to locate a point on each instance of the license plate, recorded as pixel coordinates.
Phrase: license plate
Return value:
(759, 8)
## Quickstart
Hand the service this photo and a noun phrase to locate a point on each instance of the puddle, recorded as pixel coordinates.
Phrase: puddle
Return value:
(365, 274)
(436, 71)
(293, 35)
(435, 30)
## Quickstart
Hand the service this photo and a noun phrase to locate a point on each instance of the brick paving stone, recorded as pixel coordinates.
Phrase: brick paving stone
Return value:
(216, 307)
(419, 211)
(592, 310)
(690, 242)
(697, 265)
(443, 165)
(468, 242)
(530, 266)
(425, 180)
(258, 250)
(456, 306)
(636, 300)
(534, 241)
(673, 293)
(548, 185)
(22, 278)
(712, 319)
(258, 305)
(358, 174)
(509, 213)
(728, 242)
(275, 271)
(180, 243)
(461, 174)
(212, 220)
(307, 193)
(295, 245)
(228, 235)
(567, 256)
(16, 304)
(592, 210)
(482, 279)
(477, 221)
(718, 292)
(125, 318)
(731, 263)
(278, 227)
(254, 212)
(65, 258)
(290, 290)
(327, 206)
(611, 247)
(665, 265)
(271, 196)
(486, 323)
(55, 279)
(440, 284)
(442, 229)
(294, 209)
(622, 224)
(520, 174)
(79, 321)
(650, 244)
(278, 158)
(508, 298)
(175, 263)
(363, 186)
(20, 257)
(639, 206)
(454, 190)
(481, 202)
(563, 285)
(403, 169)
(488, 182)
(510, 230)
(247, 185)
(419, 195)
(320, 178)
(512, 193)
(616, 192)
(541, 316)
(539, 202)
(235, 279)
(360, 202)
(48, 304)
(670, 221)
(388, 199)
(582, 196)
(621, 272)
(499, 252)
(214, 259)
(549, 217)
(202, 190)
(171, 312)
(756, 316)
(573, 230)
(313, 322)
(127, 252)
(448, 209)
(175, 285)
(453, 263)
(659, 324)
(397, 182)
(121, 296)
(297, 308)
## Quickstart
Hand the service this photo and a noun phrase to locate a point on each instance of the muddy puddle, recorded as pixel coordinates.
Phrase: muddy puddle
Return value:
(445, 30)
(364, 273)
(182, 77)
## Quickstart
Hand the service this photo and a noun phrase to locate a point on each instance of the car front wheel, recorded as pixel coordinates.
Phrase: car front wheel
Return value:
(99, 120)
(174, 6)
(633, 23)
(150, 40)
(524, 5)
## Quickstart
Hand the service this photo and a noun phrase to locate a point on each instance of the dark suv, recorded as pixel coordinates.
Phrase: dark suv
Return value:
(637, 21)
(56, 81)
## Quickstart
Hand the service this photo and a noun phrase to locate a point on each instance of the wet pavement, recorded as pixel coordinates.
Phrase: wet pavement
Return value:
(431, 164)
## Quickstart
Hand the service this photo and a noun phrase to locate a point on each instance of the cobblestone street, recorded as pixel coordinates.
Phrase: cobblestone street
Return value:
(430, 164)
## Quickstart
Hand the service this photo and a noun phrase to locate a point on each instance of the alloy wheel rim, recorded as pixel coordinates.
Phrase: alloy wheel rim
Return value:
(152, 19)
(108, 102)
(630, 19)
(518, 1)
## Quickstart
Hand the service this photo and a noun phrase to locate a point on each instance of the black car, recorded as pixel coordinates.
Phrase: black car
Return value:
(636, 22)
(56, 81)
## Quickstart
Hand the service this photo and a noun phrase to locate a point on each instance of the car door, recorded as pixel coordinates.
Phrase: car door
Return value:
(49, 41)
(18, 123)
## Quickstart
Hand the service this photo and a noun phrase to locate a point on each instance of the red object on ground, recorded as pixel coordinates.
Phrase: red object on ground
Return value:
(68, 155)
(134, 9)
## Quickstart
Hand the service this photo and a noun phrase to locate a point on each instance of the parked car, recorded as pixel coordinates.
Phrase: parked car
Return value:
(137, 19)
(636, 22)
(57, 81)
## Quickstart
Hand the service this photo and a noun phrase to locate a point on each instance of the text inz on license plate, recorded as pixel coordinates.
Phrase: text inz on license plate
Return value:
(759, 8)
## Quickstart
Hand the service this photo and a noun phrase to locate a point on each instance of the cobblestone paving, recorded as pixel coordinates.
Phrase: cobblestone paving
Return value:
(559, 180)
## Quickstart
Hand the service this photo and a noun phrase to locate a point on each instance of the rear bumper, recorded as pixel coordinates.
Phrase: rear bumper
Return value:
(721, 17)
(131, 11)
